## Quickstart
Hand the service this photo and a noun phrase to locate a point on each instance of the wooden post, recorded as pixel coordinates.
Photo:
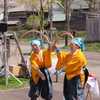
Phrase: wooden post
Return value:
(23, 60)
(56, 78)
(4, 57)
(4, 41)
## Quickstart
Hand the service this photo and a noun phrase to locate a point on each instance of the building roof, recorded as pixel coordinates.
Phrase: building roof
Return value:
(12, 22)
(58, 6)
(81, 4)
(25, 7)
(11, 2)
(61, 17)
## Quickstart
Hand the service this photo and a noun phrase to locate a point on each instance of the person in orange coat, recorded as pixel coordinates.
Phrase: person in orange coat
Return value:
(72, 63)
(40, 81)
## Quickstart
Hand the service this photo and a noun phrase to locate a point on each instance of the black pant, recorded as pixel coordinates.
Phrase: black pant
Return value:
(43, 88)
(36, 99)
(33, 99)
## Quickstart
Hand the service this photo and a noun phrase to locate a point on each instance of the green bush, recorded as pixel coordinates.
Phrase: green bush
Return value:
(10, 31)
(81, 33)
(21, 32)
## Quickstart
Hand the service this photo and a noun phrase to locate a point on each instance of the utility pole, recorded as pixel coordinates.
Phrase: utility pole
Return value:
(67, 21)
(4, 40)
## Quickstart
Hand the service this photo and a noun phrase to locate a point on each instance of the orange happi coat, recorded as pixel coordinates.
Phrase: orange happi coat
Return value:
(35, 63)
(74, 66)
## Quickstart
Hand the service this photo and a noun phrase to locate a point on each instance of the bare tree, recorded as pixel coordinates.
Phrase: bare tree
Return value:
(5, 10)
(67, 21)
(94, 5)
(33, 5)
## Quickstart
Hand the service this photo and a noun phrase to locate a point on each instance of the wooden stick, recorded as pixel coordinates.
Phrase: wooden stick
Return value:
(36, 32)
(56, 40)
(36, 67)
(58, 37)
(16, 50)
(88, 92)
(90, 95)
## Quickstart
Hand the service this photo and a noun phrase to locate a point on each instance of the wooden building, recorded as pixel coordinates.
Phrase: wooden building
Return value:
(93, 27)
(78, 21)
(11, 4)
(59, 17)
(79, 9)
(18, 16)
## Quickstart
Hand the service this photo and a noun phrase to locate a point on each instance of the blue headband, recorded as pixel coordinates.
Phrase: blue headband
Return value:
(80, 42)
(38, 41)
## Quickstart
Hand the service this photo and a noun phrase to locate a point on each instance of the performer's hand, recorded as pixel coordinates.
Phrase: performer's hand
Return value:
(49, 45)
(40, 74)
(54, 46)
(54, 73)
(59, 71)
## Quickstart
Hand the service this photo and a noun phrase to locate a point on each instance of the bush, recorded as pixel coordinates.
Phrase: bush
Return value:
(10, 31)
(81, 33)
(21, 32)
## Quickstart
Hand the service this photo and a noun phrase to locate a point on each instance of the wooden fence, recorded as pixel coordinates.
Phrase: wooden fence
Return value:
(93, 27)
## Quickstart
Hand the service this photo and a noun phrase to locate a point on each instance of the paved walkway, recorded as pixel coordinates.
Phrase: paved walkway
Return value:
(93, 65)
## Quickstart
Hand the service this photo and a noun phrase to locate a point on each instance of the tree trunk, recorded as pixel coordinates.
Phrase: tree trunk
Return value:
(67, 21)
(51, 25)
(5, 11)
(42, 16)
(90, 5)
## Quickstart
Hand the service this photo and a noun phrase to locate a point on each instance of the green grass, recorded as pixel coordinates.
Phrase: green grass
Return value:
(92, 46)
(27, 53)
(89, 46)
(13, 83)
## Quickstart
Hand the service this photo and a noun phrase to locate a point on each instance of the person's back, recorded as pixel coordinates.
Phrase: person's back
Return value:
(74, 33)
